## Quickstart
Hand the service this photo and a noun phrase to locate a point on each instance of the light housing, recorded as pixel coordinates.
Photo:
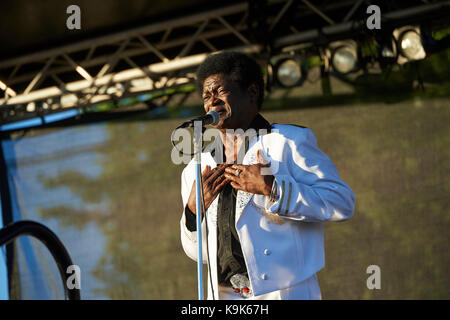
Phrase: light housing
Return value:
(288, 72)
(409, 43)
(344, 57)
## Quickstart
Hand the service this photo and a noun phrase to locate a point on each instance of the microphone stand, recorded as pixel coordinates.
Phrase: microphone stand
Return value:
(198, 201)
(212, 118)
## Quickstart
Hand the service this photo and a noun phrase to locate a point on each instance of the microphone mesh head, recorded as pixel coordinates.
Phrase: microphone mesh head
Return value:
(216, 117)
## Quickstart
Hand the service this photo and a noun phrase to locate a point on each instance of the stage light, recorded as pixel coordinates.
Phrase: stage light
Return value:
(344, 59)
(411, 45)
(288, 72)
(31, 107)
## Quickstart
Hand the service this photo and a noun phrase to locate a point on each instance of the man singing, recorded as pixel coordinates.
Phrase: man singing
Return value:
(264, 210)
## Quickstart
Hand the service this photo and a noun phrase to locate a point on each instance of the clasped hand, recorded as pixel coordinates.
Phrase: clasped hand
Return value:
(250, 179)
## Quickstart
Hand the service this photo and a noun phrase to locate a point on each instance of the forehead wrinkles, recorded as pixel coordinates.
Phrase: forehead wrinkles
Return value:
(213, 82)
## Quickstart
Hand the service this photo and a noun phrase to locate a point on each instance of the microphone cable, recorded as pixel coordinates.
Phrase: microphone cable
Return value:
(180, 151)
(202, 206)
(207, 234)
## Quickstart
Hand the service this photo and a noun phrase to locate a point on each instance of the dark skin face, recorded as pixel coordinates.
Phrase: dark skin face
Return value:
(237, 108)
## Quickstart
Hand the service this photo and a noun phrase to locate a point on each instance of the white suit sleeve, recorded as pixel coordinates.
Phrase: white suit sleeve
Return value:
(189, 238)
(309, 189)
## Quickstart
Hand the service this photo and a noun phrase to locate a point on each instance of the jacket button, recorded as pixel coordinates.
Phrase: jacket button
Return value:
(264, 276)
(267, 252)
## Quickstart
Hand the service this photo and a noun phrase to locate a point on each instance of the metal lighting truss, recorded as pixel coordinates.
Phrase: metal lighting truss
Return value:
(165, 54)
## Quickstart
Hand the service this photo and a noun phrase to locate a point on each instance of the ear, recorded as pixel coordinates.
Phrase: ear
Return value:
(253, 93)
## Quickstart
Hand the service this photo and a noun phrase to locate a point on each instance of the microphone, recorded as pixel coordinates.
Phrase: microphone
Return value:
(212, 118)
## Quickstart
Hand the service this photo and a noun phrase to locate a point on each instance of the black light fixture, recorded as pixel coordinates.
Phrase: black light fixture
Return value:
(344, 56)
(286, 70)
(409, 43)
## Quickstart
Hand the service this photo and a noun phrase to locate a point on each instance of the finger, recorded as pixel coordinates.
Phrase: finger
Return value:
(232, 169)
(218, 180)
(232, 177)
(238, 166)
(211, 183)
(217, 172)
(212, 173)
(220, 186)
(236, 185)
(206, 171)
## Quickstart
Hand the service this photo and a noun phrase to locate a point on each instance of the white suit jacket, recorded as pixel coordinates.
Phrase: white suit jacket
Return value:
(282, 242)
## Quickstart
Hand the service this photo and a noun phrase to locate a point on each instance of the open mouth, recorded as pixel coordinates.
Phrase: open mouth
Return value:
(221, 112)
